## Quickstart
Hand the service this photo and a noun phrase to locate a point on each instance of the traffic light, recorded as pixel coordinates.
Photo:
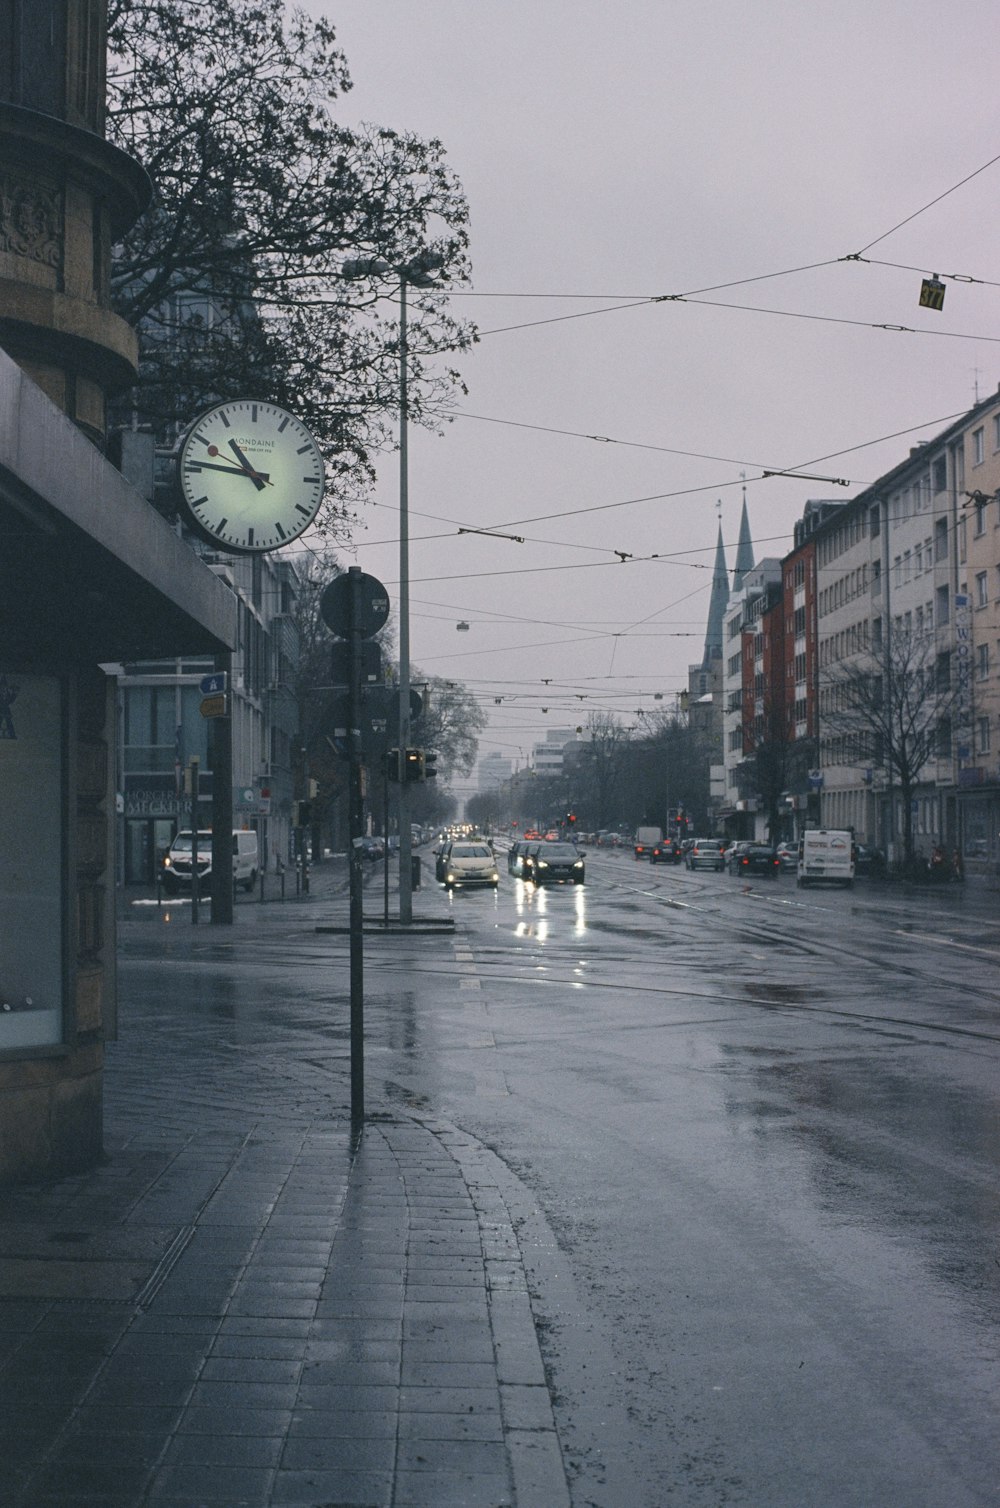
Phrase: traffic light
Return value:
(570, 819)
(303, 813)
(412, 763)
(429, 770)
(392, 764)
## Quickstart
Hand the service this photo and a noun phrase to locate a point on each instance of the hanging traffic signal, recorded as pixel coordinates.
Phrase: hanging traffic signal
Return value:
(429, 771)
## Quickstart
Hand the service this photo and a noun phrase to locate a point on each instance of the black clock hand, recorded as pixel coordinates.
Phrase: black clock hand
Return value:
(229, 470)
(258, 483)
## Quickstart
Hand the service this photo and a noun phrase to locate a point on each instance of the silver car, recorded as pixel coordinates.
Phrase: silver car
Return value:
(706, 853)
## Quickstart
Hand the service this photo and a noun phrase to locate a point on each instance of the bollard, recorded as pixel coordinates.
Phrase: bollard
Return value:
(415, 872)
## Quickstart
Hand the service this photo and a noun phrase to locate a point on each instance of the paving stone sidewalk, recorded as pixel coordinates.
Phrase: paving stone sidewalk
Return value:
(258, 1310)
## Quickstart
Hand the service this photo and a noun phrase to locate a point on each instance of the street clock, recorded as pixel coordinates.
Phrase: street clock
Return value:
(251, 476)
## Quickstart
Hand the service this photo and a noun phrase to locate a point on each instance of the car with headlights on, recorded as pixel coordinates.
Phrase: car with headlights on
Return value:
(467, 864)
(554, 864)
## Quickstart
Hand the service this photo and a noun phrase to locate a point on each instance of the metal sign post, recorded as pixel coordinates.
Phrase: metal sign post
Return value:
(222, 797)
(356, 833)
(194, 768)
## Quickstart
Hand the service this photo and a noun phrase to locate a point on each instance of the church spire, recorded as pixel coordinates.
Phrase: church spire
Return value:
(744, 549)
(717, 604)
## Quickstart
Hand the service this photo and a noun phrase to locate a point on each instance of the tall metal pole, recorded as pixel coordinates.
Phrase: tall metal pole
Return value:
(222, 801)
(405, 835)
(356, 826)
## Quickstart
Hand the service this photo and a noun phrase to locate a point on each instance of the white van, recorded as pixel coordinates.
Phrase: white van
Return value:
(826, 856)
(177, 865)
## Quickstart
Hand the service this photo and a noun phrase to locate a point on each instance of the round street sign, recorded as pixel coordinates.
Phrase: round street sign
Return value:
(335, 605)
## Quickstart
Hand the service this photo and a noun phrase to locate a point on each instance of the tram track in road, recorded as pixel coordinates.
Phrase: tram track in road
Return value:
(912, 929)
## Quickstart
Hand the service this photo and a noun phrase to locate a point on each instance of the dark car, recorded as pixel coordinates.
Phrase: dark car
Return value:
(516, 861)
(733, 854)
(868, 860)
(553, 864)
(666, 852)
(756, 858)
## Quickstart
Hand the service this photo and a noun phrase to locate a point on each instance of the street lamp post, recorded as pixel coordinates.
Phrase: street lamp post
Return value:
(417, 273)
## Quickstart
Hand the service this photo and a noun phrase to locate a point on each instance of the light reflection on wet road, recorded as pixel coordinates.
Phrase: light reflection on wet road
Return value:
(765, 1129)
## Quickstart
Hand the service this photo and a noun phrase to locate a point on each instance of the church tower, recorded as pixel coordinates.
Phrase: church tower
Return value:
(717, 604)
(744, 550)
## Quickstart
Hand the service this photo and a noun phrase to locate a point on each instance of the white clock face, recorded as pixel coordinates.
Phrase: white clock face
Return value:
(251, 476)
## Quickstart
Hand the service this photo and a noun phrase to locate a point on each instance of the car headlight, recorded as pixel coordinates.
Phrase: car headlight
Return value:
(543, 863)
(494, 875)
(578, 864)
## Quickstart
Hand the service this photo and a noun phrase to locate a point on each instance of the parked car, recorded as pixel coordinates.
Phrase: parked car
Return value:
(869, 860)
(788, 856)
(470, 864)
(706, 853)
(667, 851)
(755, 858)
(554, 864)
(178, 862)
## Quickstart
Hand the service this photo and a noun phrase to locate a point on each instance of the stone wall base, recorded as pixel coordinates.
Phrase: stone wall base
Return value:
(51, 1115)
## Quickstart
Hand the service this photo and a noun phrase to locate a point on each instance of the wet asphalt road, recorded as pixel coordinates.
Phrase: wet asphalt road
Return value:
(762, 1125)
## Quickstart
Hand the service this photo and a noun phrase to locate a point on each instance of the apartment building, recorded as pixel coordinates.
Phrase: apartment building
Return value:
(908, 589)
(745, 691)
(977, 640)
(162, 726)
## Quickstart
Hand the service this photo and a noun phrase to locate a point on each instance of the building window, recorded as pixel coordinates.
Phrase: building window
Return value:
(980, 516)
(978, 447)
(939, 473)
(941, 539)
(996, 431)
(982, 661)
(982, 589)
(982, 735)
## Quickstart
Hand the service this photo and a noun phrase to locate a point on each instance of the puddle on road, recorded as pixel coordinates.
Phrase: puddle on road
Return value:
(776, 993)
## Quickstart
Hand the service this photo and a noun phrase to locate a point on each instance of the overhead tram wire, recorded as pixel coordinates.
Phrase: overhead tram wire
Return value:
(937, 200)
(691, 296)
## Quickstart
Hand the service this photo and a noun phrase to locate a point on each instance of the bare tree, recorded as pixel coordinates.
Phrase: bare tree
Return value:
(600, 768)
(891, 709)
(234, 276)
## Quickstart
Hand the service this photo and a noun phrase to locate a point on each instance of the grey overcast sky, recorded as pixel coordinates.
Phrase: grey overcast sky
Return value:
(622, 151)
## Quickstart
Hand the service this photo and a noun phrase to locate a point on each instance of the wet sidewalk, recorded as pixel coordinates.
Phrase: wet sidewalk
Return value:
(240, 1307)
